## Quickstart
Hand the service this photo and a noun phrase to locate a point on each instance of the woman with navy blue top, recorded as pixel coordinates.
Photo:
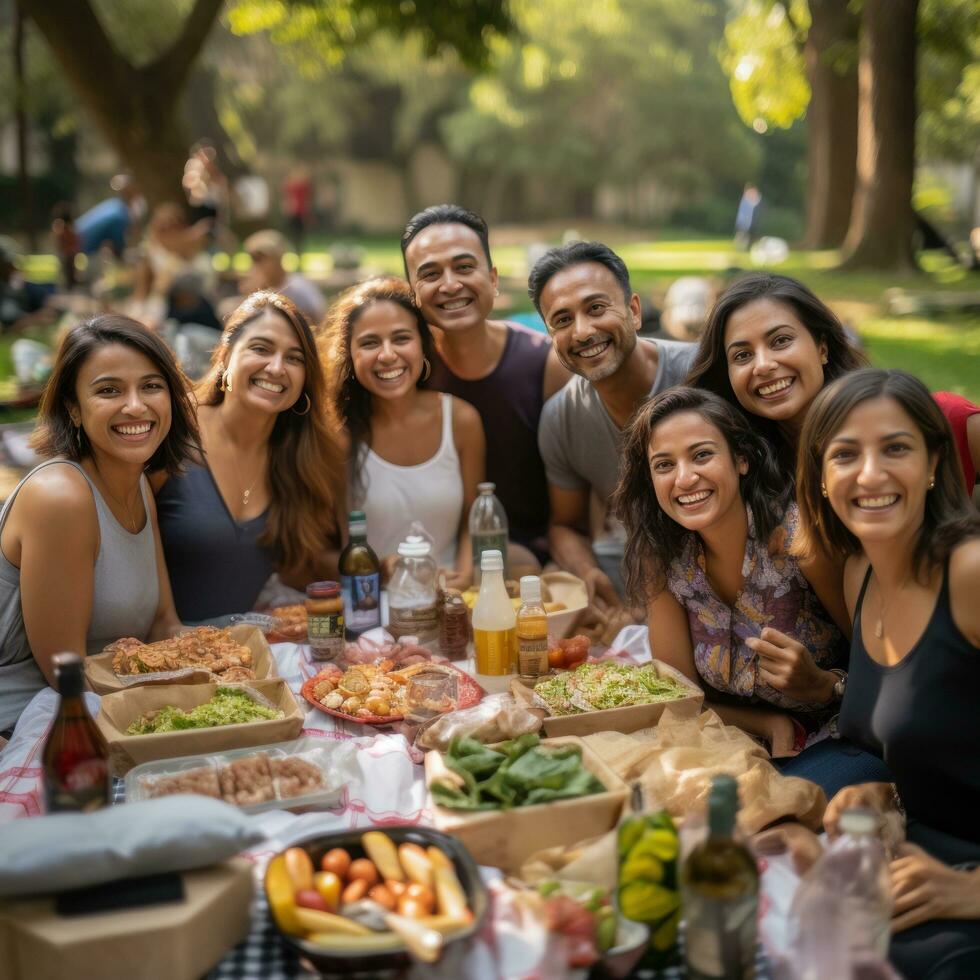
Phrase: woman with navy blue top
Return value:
(879, 483)
(263, 496)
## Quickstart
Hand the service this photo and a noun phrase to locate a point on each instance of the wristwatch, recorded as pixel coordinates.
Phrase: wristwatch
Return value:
(841, 685)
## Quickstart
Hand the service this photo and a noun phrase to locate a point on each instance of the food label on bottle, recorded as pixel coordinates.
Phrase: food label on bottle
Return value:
(720, 937)
(532, 656)
(418, 621)
(325, 629)
(83, 788)
(362, 601)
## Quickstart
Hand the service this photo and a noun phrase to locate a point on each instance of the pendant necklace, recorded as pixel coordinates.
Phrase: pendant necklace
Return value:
(115, 500)
(879, 626)
(246, 491)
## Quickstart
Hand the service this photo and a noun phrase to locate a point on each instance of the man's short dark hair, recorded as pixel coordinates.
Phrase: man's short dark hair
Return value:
(557, 259)
(445, 214)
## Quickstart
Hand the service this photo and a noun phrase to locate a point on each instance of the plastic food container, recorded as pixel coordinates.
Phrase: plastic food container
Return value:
(393, 962)
(335, 762)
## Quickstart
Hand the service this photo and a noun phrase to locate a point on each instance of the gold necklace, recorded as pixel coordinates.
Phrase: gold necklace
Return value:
(879, 626)
(115, 500)
(246, 492)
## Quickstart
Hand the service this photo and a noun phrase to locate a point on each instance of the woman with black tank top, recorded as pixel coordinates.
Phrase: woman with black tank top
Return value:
(878, 483)
(264, 495)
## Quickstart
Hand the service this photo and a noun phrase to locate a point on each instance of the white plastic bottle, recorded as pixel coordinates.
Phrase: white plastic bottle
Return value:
(842, 910)
(412, 591)
(494, 626)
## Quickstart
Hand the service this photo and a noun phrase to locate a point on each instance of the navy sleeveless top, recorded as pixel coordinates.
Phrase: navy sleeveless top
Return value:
(216, 565)
(921, 717)
(509, 400)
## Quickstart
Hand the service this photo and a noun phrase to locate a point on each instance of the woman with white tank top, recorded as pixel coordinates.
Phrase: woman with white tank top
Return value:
(414, 455)
(81, 563)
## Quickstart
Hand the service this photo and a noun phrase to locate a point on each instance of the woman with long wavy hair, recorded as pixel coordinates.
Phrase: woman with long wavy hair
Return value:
(264, 496)
(709, 527)
(413, 454)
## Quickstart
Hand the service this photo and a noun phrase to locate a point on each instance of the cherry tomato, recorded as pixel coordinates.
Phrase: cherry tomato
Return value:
(336, 860)
(363, 869)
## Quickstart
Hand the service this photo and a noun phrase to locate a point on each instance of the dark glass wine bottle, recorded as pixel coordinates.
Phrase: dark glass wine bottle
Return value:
(360, 580)
(76, 768)
(720, 892)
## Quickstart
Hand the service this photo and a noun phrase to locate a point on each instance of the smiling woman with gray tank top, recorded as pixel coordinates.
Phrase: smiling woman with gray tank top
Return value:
(80, 558)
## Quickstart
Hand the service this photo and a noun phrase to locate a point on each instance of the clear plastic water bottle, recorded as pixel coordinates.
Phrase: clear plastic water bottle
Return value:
(488, 527)
(412, 591)
(842, 910)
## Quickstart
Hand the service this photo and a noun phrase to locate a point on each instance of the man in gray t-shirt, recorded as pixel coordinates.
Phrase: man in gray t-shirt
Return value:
(583, 293)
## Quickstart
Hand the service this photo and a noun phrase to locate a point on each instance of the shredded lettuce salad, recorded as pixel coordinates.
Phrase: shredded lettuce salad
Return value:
(597, 686)
(229, 706)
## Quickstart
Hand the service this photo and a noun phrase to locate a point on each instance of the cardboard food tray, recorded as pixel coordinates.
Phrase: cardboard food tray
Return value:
(104, 680)
(174, 941)
(318, 751)
(626, 720)
(506, 838)
(118, 711)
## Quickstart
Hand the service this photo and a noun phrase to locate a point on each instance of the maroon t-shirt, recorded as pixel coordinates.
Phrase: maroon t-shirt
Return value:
(509, 401)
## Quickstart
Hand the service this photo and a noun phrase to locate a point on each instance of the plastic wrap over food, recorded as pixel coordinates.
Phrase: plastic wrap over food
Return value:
(308, 773)
(496, 718)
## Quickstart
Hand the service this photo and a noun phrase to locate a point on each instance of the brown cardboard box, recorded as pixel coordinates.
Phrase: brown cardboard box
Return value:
(103, 679)
(176, 941)
(118, 711)
(625, 720)
(506, 838)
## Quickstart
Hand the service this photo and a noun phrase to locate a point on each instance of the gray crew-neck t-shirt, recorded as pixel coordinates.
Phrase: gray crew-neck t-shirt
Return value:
(580, 443)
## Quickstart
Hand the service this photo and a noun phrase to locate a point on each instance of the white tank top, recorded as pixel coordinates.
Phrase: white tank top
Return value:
(430, 492)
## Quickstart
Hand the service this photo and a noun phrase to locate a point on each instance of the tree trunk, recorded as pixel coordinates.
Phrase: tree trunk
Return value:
(831, 121)
(882, 221)
(135, 108)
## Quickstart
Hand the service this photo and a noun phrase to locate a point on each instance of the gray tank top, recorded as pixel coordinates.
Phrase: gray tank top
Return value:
(125, 597)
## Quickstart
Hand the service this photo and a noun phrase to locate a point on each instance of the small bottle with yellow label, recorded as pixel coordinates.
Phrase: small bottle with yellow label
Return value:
(494, 622)
(532, 632)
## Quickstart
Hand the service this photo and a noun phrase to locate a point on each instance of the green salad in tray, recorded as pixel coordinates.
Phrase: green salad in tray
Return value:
(605, 684)
(520, 772)
(229, 706)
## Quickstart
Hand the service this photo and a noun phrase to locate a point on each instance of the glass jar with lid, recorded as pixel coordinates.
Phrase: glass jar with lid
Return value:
(325, 620)
(413, 608)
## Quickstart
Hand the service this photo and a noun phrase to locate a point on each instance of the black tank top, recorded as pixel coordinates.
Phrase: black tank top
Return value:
(921, 716)
(216, 565)
(509, 400)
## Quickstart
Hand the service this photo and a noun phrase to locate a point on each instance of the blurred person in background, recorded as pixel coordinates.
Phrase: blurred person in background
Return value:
(23, 304)
(266, 250)
(67, 243)
(297, 206)
(115, 221)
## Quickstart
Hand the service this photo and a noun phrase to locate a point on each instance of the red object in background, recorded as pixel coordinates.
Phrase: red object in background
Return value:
(75, 761)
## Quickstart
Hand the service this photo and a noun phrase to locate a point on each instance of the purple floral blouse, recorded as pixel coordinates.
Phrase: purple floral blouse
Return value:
(774, 593)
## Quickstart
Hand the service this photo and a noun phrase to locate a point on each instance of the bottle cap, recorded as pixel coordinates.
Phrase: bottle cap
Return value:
(859, 821)
(486, 487)
(722, 805)
(491, 561)
(530, 590)
(357, 523)
(357, 516)
(68, 674)
(323, 590)
(415, 546)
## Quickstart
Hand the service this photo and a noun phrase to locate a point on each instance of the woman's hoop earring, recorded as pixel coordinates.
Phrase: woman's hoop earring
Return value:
(426, 370)
(78, 435)
(823, 489)
(309, 405)
(932, 483)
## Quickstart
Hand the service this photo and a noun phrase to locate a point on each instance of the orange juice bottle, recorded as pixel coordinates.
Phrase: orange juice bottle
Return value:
(532, 632)
(494, 622)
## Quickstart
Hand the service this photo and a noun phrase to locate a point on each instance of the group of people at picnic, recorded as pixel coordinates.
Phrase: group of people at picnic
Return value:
(795, 526)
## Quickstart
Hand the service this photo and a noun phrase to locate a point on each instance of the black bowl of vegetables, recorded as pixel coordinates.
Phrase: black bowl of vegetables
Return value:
(327, 896)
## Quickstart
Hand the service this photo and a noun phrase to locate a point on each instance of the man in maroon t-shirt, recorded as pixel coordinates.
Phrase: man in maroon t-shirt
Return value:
(504, 370)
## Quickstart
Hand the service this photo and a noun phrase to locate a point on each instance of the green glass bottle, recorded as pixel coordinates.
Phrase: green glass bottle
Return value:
(720, 890)
(360, 580)
(648, 877)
